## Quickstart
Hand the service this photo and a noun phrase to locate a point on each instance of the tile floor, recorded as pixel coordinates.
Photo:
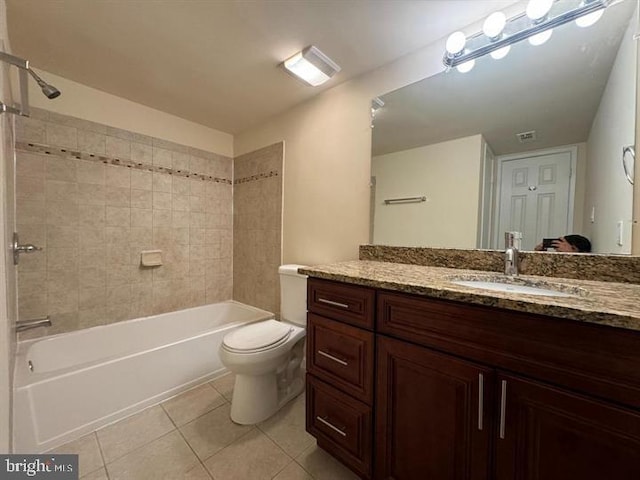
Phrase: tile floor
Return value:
(192, 437)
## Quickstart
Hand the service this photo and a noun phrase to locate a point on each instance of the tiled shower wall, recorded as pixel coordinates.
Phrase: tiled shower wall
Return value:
(257, 225)
(97, 199)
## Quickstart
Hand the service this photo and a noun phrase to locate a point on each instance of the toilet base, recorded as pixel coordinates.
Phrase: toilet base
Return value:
(256, 398)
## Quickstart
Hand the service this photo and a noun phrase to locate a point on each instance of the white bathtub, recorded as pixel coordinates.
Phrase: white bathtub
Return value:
(84, 380)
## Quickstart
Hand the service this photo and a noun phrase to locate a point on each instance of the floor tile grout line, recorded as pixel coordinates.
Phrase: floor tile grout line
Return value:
(175, 425)
(219, 391)
(208, 382)
(222, 449)
(104, 462)
(194, 452)
(283, 468)
(300, 464)
(278, 447)
(199, 416)
(228, 445)
(304, 469)
(140, 447)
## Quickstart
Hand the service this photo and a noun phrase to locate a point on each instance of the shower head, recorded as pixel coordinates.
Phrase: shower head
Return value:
(49, 90)
(23, 67)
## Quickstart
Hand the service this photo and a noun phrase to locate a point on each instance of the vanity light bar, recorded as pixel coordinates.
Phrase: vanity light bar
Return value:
(466, 55)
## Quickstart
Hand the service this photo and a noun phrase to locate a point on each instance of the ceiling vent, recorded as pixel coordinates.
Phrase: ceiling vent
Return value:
(527, 137)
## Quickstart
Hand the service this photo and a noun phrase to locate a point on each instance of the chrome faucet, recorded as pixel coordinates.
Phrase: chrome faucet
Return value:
(512, 248)
(22, 325)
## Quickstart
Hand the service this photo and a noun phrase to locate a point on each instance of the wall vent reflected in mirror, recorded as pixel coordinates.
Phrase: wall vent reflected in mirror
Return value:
(458, 137)
(527, 137)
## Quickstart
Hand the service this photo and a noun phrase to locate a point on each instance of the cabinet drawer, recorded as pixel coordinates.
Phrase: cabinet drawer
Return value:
(348, 303)
(341, 424)
(341, 355)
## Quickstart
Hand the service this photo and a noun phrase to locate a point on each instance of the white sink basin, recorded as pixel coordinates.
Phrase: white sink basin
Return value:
(512, 288)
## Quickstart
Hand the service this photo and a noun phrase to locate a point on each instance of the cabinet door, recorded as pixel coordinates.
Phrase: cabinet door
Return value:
(546, 433)
(433, 419)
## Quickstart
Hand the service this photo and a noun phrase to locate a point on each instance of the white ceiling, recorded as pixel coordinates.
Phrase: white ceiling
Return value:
(554, 89)
(215, 61)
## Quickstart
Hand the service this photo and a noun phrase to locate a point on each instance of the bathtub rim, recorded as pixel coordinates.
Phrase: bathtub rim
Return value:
(24, 378)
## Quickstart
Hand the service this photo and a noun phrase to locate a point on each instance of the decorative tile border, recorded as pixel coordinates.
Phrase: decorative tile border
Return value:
(74, 154)
(253, 178)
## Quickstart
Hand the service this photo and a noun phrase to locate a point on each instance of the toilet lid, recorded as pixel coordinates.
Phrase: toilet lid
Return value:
(258, 335)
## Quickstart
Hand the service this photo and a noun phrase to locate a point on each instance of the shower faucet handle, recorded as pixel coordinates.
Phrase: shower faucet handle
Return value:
(28, 248)
(18, 249)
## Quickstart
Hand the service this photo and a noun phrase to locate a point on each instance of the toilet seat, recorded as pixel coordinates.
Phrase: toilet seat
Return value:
(257, 337)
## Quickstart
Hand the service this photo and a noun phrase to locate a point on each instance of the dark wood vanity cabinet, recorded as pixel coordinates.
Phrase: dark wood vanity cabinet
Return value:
(340, 371)
(559, 399)
(470, 392)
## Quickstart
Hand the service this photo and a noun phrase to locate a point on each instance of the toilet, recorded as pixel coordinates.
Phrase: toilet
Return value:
(266, 356)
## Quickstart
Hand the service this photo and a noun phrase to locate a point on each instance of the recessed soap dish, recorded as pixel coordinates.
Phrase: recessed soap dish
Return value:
(151, 258)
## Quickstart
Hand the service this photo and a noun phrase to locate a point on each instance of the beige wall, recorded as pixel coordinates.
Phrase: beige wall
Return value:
(327, 160)
(257, 227)
(448, 174)
(87, 103)
(607, 189)
(94, 216)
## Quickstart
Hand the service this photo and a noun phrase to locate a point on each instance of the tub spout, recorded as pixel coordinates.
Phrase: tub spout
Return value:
(22, 325)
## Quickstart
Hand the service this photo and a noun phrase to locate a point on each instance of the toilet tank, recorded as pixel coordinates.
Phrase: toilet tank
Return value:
(293, 294)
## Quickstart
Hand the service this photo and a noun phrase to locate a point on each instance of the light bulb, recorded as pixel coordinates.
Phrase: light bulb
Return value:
(540, 38)
(589, 19)
(537, 9)
(494, 24)
(455, 43)
(500, 53)
(466, 66)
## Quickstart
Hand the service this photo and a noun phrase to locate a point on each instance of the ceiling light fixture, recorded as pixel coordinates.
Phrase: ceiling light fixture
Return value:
(311, 66)
(536, 24)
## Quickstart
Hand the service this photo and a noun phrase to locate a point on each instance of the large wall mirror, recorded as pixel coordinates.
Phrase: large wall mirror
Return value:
(532, 142)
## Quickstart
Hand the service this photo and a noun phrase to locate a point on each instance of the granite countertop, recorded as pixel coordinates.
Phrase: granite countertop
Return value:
(604, 303)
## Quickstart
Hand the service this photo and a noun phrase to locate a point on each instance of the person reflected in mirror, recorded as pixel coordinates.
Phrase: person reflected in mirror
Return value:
(567, 244)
